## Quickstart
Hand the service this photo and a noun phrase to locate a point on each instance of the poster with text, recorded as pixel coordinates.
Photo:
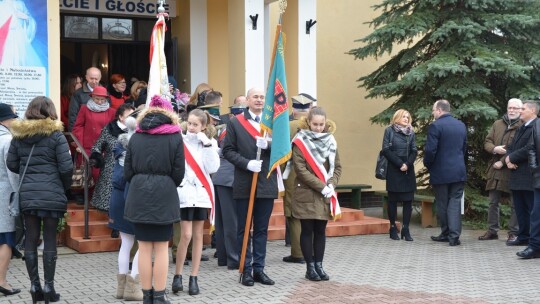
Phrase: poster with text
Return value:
(23, 52)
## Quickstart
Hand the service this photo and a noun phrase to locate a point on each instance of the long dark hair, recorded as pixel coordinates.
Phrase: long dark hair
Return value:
(41, 107)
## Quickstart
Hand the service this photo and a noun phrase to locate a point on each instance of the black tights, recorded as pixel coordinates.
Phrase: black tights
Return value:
(313, 239)
(392, 213)
(33, 228)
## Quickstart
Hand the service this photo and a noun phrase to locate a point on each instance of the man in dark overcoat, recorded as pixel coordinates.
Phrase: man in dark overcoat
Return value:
(521, 181)
(444, 157)
(240, 149)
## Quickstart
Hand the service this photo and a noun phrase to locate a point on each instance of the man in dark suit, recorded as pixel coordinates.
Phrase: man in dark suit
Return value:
(240, 149)
(521, 181)
(444, 157)
(533, 250)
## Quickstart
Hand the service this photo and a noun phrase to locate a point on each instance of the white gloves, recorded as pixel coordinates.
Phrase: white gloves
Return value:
(254, 165)
(327, 191)
(203, 138)
(262, 142)
(330, 193)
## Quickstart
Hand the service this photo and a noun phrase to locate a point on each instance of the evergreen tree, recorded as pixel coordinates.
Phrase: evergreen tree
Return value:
(477, 54)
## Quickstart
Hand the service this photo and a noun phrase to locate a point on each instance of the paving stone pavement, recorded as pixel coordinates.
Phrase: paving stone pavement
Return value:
(362, 269)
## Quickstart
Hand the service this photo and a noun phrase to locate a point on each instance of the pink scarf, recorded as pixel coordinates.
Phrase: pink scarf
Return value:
(163, 129)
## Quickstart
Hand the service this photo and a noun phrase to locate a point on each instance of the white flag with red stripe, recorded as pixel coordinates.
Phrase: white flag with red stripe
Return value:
(158, 80)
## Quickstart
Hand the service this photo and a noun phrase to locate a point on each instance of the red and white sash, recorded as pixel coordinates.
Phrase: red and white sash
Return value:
(248, 126)
(205, 180)
(321, 173)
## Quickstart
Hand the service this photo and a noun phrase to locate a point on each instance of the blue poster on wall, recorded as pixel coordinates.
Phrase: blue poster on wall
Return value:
(23, 51)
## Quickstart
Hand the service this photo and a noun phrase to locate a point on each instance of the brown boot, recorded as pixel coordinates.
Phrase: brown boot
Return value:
(121, 278)
(489, 235)
(133, 291)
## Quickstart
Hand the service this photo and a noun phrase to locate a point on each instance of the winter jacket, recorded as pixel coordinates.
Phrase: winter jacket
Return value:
(501, 134)
(445, 150)
(9, 182)
(239, 148)
(102, 153)
(154, 166)
(402, 150)
(79, 98)
(191, 191)
(307, 200)
(89, 124)
(225, 174)
(50, 169)
(518, 152)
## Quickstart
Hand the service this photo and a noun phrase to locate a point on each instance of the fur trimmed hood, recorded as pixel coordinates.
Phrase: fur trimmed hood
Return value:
(173, 116)
(329, 128)
(35, 127)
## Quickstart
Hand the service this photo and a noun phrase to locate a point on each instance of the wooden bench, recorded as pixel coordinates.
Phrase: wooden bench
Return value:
(427, 208)
(356, 193)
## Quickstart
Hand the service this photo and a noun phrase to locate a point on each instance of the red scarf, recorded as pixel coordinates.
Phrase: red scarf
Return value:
(248, 126)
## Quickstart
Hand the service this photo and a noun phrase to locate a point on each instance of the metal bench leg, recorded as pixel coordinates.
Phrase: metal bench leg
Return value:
(356, 198)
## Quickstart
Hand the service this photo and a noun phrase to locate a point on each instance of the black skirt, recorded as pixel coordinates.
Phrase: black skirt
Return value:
(44, 213)
(153, 233)
(193, 214)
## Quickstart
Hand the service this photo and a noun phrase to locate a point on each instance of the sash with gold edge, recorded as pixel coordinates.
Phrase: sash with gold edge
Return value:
(321, 173)
(248, 126)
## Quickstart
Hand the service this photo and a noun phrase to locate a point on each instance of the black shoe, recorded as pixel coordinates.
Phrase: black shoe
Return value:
(233, 267)
(405, 233)
(454, 242)
(517, 242)
(160, 298)
(291, 259)
(261, 277)
(529, 253)
(311, 274)
(148, 296)
(440, 238)
(193, 286)
(393, 233)
(247, 279)
(15, 253)
(320, 271)
(9, 292)
(177, 283)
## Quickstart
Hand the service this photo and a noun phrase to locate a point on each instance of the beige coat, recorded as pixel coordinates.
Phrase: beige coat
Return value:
(307, 200)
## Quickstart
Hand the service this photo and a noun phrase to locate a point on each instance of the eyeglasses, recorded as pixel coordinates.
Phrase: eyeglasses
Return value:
(121, 82)
(514, 108)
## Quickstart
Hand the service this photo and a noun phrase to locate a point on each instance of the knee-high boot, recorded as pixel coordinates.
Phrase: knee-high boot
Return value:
(31, 261)
(49, 269)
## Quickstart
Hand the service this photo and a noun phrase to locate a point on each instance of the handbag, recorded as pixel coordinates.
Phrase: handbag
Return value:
(381, 167)
(14, 203)
(77, 179)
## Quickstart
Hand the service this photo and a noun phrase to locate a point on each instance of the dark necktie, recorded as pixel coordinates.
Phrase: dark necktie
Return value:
(257, 119)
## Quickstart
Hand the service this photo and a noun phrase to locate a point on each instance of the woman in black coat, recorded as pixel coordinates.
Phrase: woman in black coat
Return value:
(154, 167)
(399, 148)
(42, 193)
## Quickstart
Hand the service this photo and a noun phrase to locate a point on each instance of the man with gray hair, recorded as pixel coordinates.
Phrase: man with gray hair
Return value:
(497, 140)
(444, 157)
(521, 181)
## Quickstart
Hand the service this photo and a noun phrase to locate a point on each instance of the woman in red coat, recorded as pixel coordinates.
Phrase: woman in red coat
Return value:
(117, 89)
(92, 117)
(72, 83)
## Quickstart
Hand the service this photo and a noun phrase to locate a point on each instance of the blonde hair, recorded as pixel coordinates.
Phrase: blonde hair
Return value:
(397, 116)
(198, 90)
